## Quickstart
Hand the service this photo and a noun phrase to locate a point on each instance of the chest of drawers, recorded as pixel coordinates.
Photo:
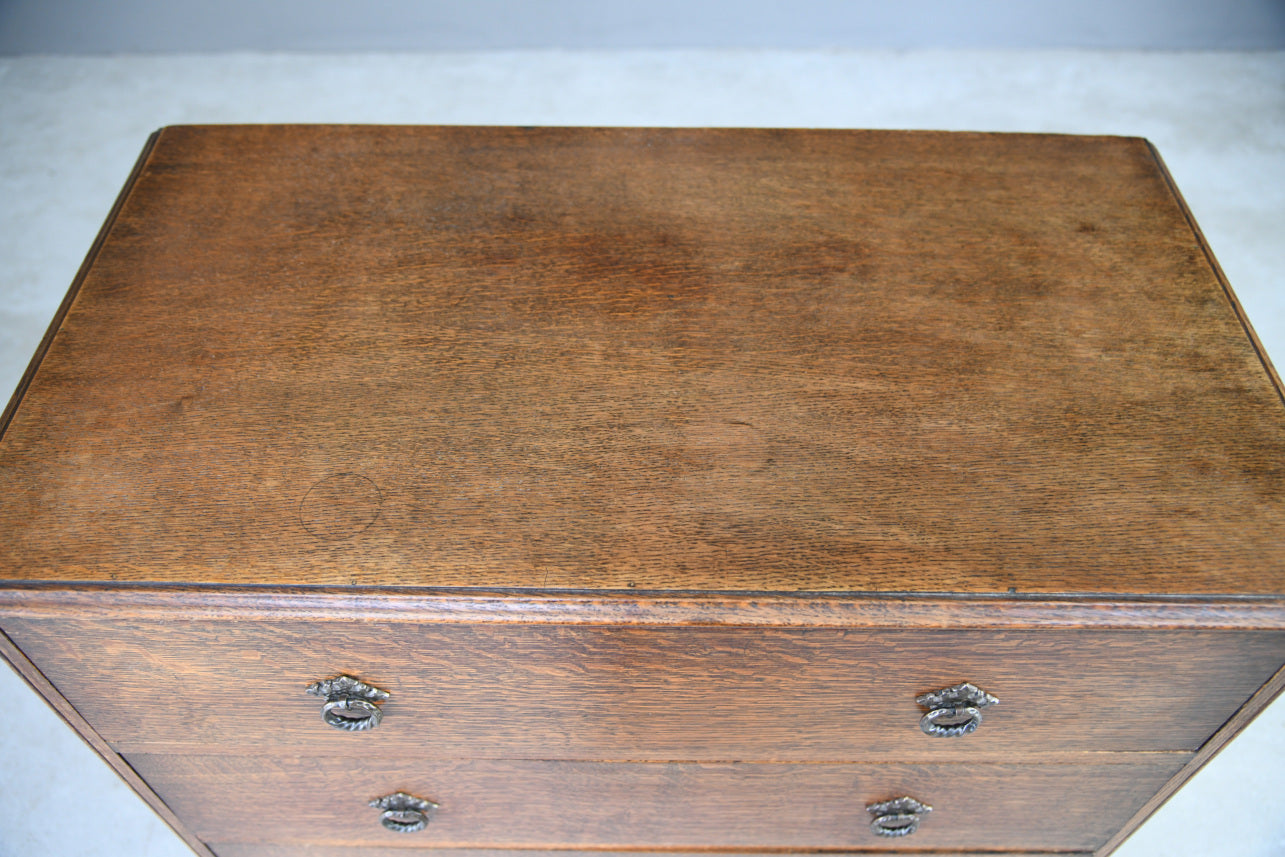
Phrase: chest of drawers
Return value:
(657, 489)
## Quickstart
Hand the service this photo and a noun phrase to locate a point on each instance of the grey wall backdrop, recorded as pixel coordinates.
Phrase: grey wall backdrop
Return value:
(164, 26)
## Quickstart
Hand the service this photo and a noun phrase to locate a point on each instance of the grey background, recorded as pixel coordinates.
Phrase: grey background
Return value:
(160, 26)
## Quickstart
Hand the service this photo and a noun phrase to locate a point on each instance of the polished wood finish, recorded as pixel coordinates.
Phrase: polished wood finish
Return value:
(583, 804)
(322, 605)
(654, 472)
(650, 358)
(600, 692)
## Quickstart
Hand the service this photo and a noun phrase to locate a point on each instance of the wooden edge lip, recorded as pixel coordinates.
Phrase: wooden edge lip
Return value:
(500, 128)
(1254, 706)
(237, 849)
(1245, 324)
(1173, 760)
(37, 681)
(70, 298)
(570, 607)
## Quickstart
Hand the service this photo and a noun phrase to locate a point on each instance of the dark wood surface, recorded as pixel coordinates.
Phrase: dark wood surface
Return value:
(23, 666)
(1247, 712)
(567, 692)
(1263, 356)
(319, 605)
(565, 804)
(664, 359)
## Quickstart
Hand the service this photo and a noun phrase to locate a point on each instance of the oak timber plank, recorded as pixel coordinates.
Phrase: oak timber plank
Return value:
(651, 358)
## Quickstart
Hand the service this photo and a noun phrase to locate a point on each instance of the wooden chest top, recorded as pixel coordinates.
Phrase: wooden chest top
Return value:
(657, 359)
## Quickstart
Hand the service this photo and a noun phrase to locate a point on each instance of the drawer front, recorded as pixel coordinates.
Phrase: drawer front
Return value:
(495, 804)
(645, 694)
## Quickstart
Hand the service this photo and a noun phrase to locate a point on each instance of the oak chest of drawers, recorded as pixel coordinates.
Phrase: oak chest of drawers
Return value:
(591, 490)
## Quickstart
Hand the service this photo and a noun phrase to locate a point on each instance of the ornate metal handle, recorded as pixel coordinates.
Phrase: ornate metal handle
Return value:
(954, 711)
(404, 813)
(897, 817)
(350, 704)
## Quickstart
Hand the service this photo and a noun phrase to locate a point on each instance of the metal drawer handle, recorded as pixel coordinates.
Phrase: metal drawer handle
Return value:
(897, 817)
(954, 711)
(404, 813)
(350, 704)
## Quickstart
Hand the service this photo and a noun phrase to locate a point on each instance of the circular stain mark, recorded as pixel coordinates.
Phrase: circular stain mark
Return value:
(340, 506)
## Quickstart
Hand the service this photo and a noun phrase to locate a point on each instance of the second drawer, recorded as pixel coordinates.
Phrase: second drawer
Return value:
(495, 804)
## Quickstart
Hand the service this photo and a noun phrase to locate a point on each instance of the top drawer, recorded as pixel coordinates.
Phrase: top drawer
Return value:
(644, 693)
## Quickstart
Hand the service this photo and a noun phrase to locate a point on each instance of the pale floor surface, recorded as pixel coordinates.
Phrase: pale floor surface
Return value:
(70, 129)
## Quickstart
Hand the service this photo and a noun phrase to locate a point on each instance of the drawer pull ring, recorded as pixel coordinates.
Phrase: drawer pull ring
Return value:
(954, 710)
(404, 813)
(350, 704)
(897, 817)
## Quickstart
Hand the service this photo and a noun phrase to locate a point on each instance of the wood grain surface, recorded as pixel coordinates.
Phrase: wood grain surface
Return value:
(652, 358)
(322, 799)
(1247, 712)
(566, 692)
(318, 605)
(39, 683)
